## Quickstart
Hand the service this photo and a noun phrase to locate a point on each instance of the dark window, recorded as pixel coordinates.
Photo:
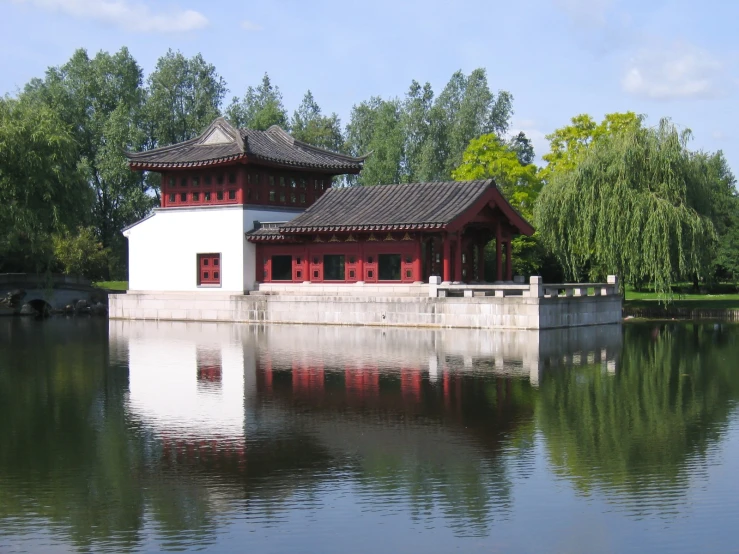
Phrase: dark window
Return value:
(299, 274)
(293, 182)
(207, 179)
(196, 181)
(282, 268)
(183, 182)
(219, 179)
(232, 195)
(315, 274)
(352, 260)
(195, 196)
(333, 267)
(302, 198)
(183, 196)
(172, 197)
(351, 274)
(282, 181)
(292, 199)
(302, 183)
(256, 178)
(272, 196)
(408, 260)
(171, 181)
(315, 260)
(282, 197)
(271, 180)
(370, 274)
(298, 260)
(408, 273)
(219, 195)
(388, 267)
(256, 195)
(206, 275)
(248, 194)
(370, 260)
(317, 184)
(232, 178)
(206, 196)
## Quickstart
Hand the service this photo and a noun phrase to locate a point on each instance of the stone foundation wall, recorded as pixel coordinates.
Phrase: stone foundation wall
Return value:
(450, 312)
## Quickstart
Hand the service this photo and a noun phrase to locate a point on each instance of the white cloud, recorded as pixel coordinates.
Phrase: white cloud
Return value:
(678, 71)
(719, 135)
(131, 16)
(250, 26)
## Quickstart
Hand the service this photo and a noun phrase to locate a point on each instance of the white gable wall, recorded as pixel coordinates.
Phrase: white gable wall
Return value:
(163, 249)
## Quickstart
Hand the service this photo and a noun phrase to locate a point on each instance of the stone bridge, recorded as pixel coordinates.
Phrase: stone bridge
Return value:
(45, 293)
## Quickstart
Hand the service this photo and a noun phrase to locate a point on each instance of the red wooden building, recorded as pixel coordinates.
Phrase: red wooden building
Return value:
(392, 233)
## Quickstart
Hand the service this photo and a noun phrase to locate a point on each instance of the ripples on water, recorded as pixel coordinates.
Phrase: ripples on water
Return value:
(171, 436)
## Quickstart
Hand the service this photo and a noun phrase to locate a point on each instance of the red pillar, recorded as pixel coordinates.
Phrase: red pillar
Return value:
(508, 262)
(481, 262)
(447, 261)
(458, 258)
(360, 263)
(498, 253)
(417, 266)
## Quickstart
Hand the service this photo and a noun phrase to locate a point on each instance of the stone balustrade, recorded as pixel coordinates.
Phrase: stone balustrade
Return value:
(534, 289)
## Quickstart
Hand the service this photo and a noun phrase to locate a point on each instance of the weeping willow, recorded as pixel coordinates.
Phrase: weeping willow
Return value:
(637, 204)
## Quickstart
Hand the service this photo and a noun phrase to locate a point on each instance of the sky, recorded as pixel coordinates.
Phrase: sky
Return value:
(559, 58)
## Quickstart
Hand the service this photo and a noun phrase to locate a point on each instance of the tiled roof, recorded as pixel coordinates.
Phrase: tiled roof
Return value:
(385, 207)
(221, 143)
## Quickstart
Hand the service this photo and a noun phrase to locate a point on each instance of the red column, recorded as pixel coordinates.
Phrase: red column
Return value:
(508, 262)
(447, 261)
(417, 265)
(458, 258)
(498, 253)
(481, 262)
(360, 262)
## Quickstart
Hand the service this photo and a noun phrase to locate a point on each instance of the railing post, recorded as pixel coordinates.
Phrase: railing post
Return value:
(613, 281)
(535, 287)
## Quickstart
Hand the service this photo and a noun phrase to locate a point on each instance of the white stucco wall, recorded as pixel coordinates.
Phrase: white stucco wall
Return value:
(163, 249)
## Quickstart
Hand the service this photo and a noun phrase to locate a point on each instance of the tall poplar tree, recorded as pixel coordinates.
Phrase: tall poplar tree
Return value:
(309, 125)
(260, 108)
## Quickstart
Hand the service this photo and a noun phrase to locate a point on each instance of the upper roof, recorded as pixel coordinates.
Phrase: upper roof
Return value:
(432, 205)
(221, 143)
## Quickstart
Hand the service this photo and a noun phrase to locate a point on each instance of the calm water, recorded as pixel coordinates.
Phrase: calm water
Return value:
(140, 437)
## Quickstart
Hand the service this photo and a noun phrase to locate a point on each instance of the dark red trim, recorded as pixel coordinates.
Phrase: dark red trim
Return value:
(494, 198)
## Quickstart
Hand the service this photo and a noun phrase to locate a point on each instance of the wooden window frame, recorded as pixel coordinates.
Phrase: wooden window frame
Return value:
(211, 282)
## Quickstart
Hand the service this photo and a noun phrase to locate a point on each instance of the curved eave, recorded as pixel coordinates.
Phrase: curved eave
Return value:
(363, 228)
(154, 166)
(332, 168)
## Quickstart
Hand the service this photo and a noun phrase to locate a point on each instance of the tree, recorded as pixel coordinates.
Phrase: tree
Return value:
(375, 126)
(80, 253)
(101, 99)
(415, 122)
(41, 189)
(524, 149)
(260, 108)
(184, 96)
(636, 205)
(310, 126)
(569, 143)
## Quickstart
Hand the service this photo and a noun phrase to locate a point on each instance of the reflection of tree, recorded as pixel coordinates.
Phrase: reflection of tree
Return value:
(635, 434)
(436, 446)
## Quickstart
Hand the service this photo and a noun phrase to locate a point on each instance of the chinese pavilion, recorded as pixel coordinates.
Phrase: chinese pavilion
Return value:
(240, 207)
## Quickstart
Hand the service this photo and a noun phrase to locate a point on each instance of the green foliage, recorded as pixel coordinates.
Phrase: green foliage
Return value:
(260, 108)
(81, 253)
(569, 143)
(184, 96)
(636, 204)
(41, 189)
(310, 126)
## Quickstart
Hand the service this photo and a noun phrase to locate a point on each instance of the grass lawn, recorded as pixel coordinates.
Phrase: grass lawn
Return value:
(707, 301)
(112, 285)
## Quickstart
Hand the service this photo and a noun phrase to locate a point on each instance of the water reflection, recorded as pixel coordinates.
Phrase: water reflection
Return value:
(146, 436)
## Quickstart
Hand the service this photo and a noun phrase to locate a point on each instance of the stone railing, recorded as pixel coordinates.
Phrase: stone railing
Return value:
(534, 289)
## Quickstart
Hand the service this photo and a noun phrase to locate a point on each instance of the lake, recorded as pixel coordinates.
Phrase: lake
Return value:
(143, 436)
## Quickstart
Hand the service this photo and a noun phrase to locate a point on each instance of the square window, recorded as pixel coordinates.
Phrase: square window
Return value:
(206, 261)
(293, 182)
(315, 274)
(207, 179)
(232, 178)
(271, 180)
(298, 260)
(282, 197)
(302, 198)
(171, 181)
(219, 195)
(272, 196)
(408, 260)
(219, 179)
(215, 275)
(208, 269)
(183, 196)
(408, 273)
(256, 178)
(195, 196)
(370, 274)
(206, 275)
(282, 181)
(388, 267)
(232, 195)
(282, 268)
(183, 182)
(195, 181)
(370, 260)
(216, 261)
(299, 274)
(172, 197)
(333, 267)
(302, 183)
(206, 196)
(351, 274)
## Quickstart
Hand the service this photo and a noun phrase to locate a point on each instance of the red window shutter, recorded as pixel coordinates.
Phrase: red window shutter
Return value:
(209, 269)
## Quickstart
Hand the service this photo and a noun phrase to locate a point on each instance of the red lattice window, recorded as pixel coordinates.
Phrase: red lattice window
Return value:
(209, 269)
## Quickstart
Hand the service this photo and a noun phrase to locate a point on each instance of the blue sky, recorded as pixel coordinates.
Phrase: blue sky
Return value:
(558, 58)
